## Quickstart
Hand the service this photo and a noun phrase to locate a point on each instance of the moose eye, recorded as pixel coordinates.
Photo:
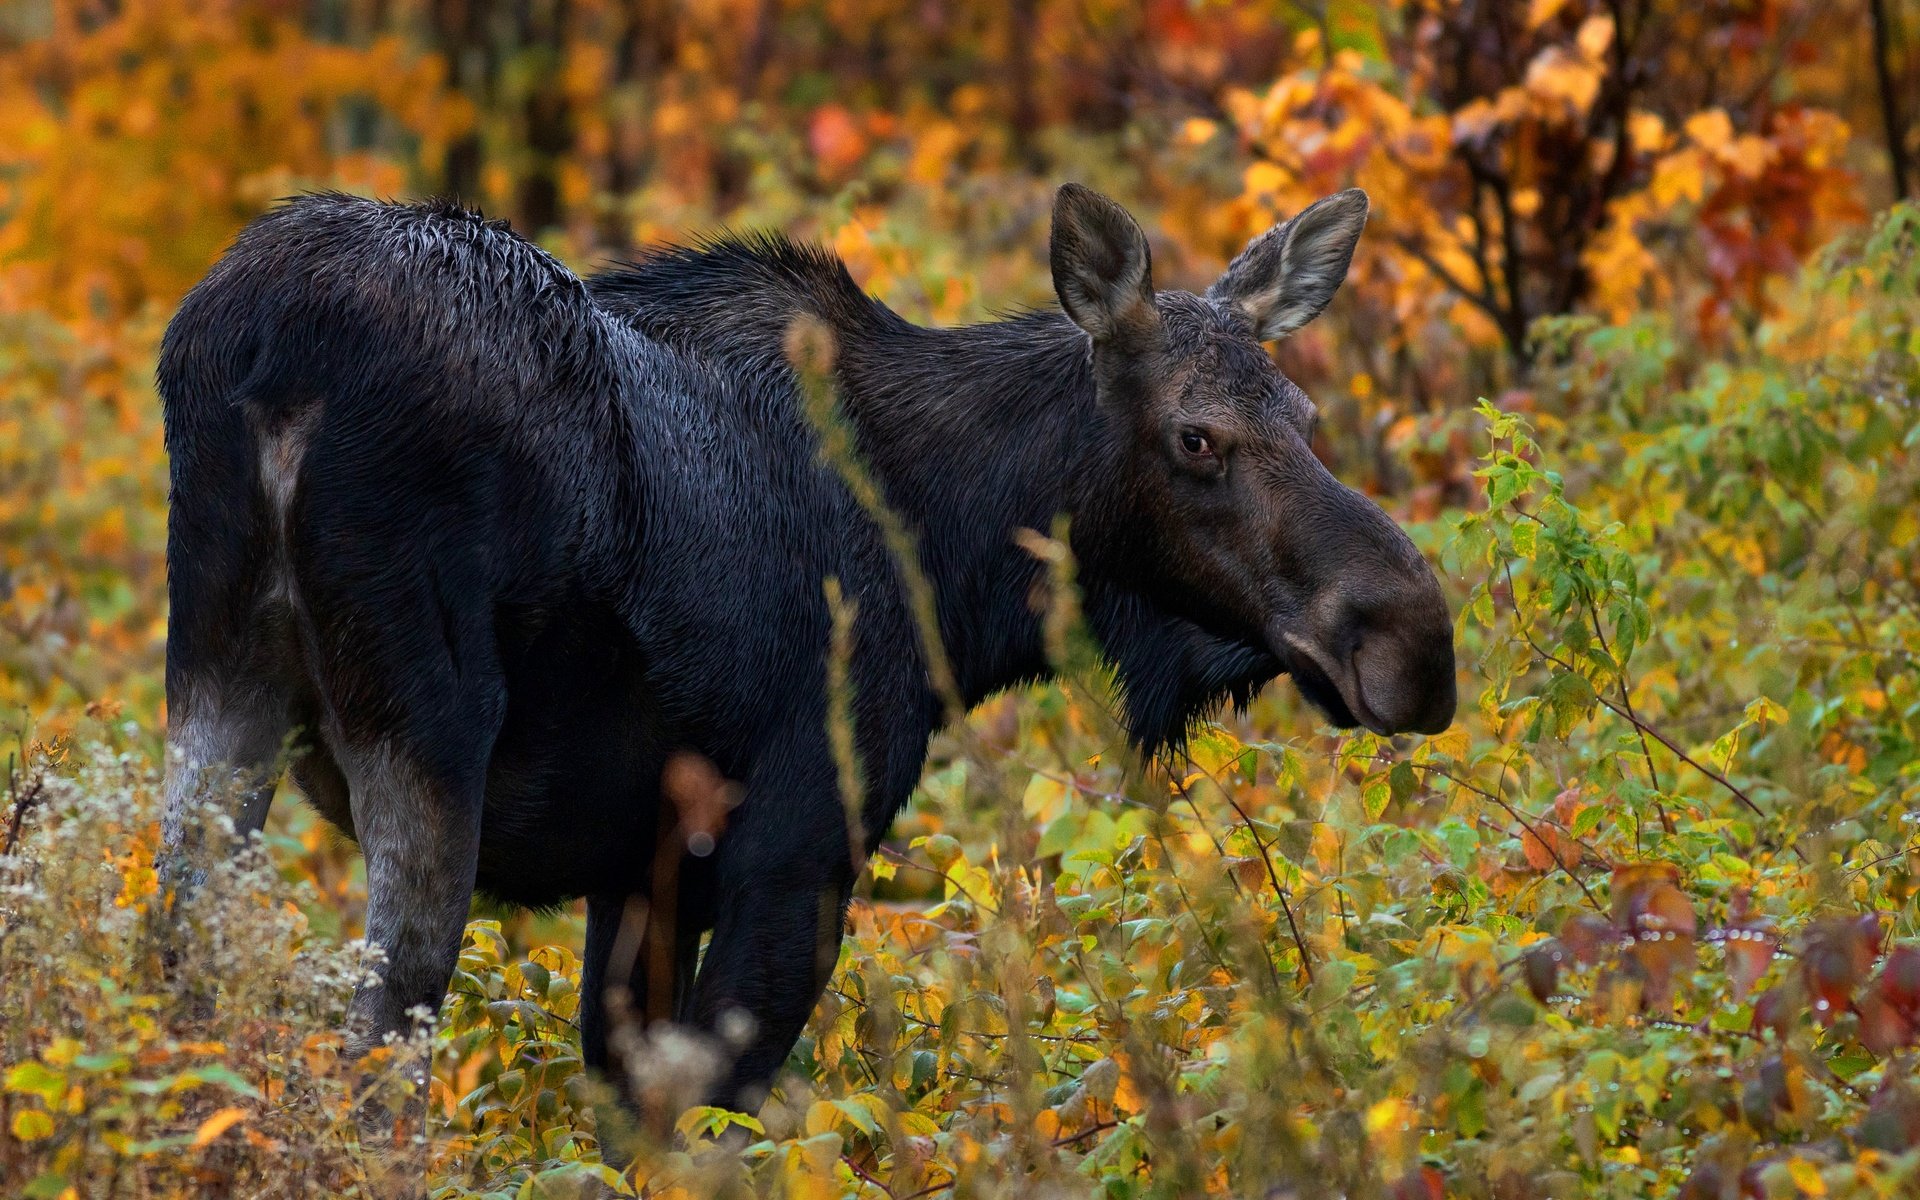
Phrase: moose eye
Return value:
(1196, 443)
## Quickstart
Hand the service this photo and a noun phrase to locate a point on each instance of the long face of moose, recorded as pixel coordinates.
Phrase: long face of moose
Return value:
(1229, 518)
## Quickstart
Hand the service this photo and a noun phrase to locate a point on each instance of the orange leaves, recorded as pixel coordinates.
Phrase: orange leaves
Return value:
(1547, 842)
(215, 1125)
(836, 139)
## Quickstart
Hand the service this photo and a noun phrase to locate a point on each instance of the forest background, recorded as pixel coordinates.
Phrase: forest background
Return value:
(1630, 345)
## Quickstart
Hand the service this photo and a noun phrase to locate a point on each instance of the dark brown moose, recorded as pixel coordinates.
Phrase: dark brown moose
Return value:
(492, 546)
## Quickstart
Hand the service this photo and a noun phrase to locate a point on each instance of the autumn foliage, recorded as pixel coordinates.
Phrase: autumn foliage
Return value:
(1642, 923)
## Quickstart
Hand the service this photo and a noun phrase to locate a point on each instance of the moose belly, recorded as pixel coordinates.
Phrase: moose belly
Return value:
(573, 783)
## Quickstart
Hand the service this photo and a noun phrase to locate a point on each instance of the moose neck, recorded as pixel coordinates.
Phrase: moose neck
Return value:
(975, 434)
(980, 432)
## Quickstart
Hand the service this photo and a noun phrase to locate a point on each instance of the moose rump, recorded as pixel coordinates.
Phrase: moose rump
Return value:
(399, 476)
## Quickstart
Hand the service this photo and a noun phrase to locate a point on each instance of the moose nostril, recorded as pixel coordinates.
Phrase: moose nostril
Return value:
(1403, 673)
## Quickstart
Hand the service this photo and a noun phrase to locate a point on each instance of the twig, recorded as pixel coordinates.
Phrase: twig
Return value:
(1293, 927)
(1734, 789)
(1625, 683)
(1524, 824)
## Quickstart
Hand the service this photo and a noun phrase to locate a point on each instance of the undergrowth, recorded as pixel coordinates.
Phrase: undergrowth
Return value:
(1641, 924)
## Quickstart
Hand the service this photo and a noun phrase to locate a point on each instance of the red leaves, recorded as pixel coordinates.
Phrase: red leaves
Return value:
(1774, 1010)
(1650, 941)
(1883, 1028)
(1838, 954)
(1889, 1010)
(1749, 943)
(1657, 919)
(1421, 1183)
(1900, 982)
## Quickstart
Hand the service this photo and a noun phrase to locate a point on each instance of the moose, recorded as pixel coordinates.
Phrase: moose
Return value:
(484, 548)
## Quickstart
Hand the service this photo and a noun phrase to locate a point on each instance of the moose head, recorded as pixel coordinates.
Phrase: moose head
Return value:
(1213, 502)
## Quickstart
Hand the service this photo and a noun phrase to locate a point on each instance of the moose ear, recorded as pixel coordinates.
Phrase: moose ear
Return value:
(1287, 275)
(1102, 269)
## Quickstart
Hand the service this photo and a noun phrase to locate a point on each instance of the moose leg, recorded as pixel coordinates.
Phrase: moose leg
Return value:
(604, 915)
(223, 744)
(419, 830)
(617, 968)
(784, 876)
(772, 952)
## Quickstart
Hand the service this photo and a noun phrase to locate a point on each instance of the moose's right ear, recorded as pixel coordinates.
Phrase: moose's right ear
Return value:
(1102, 269)
(1288, 275)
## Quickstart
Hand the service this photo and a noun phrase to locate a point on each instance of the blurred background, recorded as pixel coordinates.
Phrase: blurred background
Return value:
(1526, 159)
(1664, 234)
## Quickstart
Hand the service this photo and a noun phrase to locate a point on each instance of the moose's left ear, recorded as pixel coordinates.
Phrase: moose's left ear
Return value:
(1102, 268)
(1287, 275)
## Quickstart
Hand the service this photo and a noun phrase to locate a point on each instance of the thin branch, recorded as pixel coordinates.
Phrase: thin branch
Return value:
(1524, 824)
(1890, 116)
(1737, 792)
(1300, 943)
(1625, 683)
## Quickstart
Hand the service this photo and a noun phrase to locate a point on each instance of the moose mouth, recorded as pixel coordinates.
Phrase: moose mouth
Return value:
(1329, 685)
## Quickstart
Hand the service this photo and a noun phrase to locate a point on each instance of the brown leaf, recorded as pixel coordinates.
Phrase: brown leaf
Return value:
(1835, 960)
(1892, 1123)
(1590, 937)
(1774, 1010)
(1749, 944)
(1775, 1099)
(1541, 966)
(1883, 1028)
(1652, 911)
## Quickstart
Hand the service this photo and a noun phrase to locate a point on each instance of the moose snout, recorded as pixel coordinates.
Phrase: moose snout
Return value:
(1405, 678)
(1382, 641)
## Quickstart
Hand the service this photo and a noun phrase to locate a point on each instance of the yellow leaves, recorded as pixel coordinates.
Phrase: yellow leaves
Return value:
(1563, 83)
(809, 1168)
(31, 1125)
(1679, 176)
(1198, 131)
(1539, 12)
(215, 1125)
(1388, 1119)
(1266, 183)
(1905, 529)
(1127, 1094)
(1045, 799)
(1710, 129)
(1595, 36)
(1806, 1177)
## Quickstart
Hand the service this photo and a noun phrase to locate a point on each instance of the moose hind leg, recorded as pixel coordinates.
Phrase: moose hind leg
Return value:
(419, 831)
(410, 724)
(224, 739)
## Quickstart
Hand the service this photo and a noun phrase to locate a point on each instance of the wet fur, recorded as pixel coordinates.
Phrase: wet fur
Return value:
(492, 543)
